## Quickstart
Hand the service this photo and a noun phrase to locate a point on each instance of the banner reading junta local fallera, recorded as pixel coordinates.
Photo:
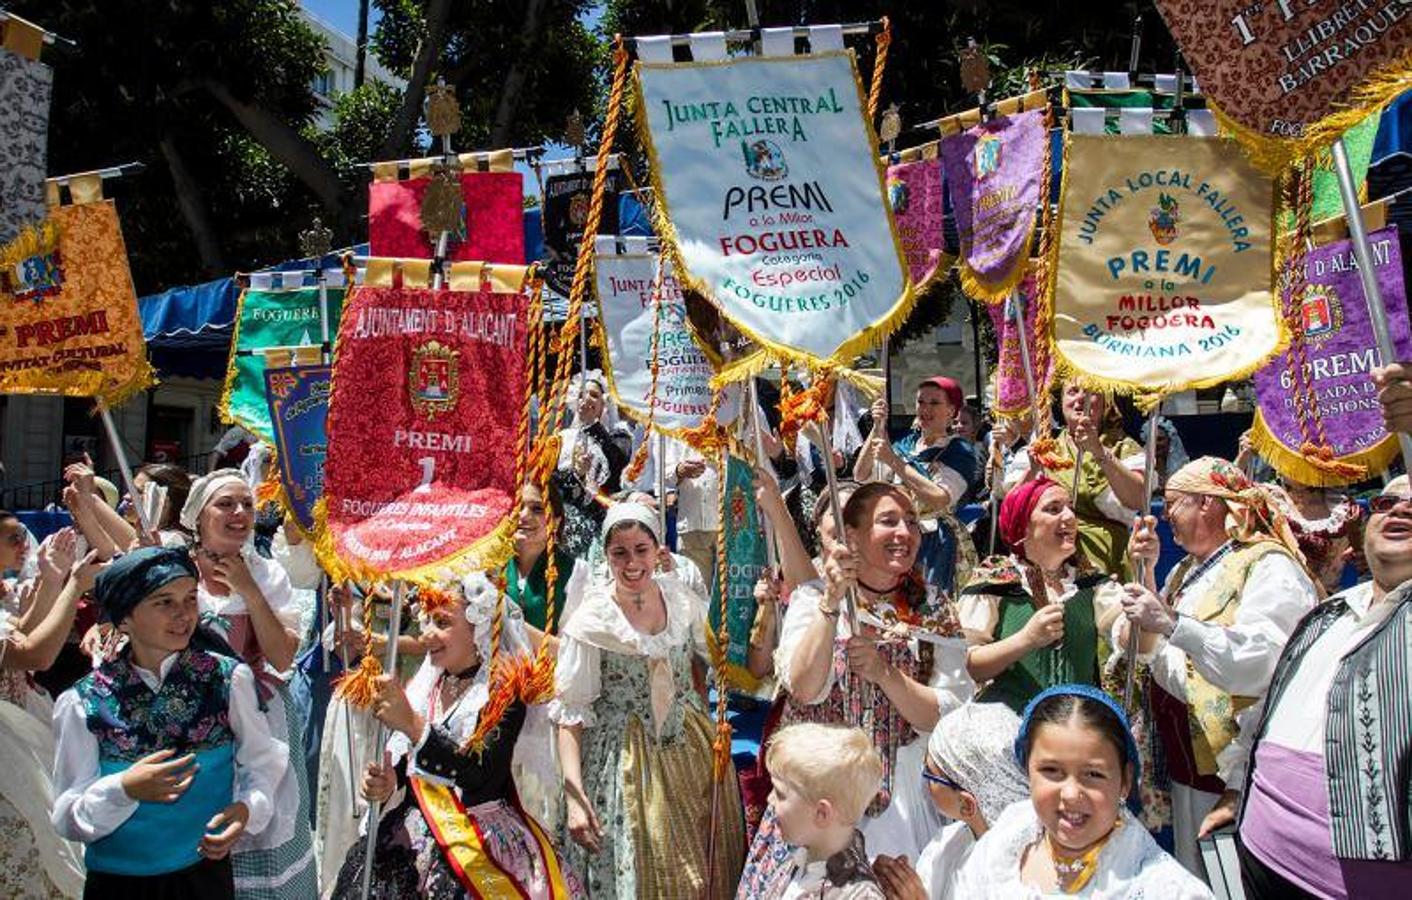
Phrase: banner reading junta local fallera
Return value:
(682, 396)
(1164, 271)
(772, 197)
(423, 428)
(1292, 74)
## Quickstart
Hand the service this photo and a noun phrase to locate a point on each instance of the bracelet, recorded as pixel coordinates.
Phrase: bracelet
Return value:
(826, 612)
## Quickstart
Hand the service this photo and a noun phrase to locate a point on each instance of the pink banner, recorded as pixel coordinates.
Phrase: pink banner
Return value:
(1012, 395)
(914, 190)
(493, 228)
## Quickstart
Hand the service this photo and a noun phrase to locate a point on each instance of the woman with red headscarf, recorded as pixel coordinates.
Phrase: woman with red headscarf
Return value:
(938, 468)
(1034, 618)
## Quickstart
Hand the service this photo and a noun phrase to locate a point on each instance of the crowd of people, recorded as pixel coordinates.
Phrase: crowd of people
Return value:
(1012, 709)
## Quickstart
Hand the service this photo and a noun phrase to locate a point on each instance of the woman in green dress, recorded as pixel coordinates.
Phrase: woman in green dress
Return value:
(635, 741)
(1108, 491)
(1034, 618)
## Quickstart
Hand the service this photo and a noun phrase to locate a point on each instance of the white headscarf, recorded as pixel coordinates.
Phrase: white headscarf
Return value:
(202, 490)
(630, 512)
(975, 746)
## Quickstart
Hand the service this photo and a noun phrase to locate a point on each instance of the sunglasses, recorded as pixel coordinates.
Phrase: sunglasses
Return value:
(1385, 503)
(940, 779)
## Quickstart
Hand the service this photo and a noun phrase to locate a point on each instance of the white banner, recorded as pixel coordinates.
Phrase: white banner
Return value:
(767, 172)
(626, 310)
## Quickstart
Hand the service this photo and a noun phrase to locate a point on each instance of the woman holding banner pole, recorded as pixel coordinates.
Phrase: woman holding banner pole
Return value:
(938, 468)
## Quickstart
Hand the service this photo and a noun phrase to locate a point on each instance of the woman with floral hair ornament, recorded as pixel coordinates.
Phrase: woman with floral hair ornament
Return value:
(452, 825)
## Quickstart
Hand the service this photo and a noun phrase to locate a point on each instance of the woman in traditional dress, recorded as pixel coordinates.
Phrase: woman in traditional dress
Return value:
(895, 679)
(939, 469)
(253, 604)
(35, 863)
(1109, 481)
(590, 463)
(1327, 525)
(1034, 618)
(452, 826)
(635, 742)
(1074, 836)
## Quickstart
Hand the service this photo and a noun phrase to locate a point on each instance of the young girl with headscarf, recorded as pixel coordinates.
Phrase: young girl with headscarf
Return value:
(164, 760)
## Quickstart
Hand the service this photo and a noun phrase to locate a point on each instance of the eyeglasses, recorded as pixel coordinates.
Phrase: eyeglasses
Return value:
(1386, 503)
(15, 540)
(940, 779)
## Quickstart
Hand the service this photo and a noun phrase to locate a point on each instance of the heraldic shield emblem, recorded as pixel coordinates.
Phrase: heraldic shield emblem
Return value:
(434, 380)
(985, 157)
(1322, 313)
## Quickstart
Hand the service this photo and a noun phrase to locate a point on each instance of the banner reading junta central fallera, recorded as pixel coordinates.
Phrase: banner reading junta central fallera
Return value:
(773, 200)
(1164, 272)
(423, 429)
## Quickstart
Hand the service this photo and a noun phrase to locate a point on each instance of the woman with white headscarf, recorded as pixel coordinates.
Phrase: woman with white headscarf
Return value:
(634, 737)
(972, 775)
(252, 604)
(590, 463)
(454, 827)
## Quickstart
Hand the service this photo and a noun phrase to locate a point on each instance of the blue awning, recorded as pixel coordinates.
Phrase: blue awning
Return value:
(194, 317)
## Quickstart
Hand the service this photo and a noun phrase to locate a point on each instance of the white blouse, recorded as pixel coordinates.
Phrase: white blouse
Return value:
(599, 624)
(274, 585)
(88, 807)
(949, 679)
(1130, 865)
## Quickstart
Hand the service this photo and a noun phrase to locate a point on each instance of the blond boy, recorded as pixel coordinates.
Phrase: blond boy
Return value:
(824, 778)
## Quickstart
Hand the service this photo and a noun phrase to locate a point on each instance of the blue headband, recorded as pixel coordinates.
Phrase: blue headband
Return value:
(1077, 690)
(132, 577)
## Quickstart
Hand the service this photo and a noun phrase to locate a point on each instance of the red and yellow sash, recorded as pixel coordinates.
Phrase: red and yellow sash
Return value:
(459, 836)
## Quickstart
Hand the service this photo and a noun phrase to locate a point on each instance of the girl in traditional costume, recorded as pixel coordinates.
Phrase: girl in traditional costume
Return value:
(1034, 618)
(939, 469)
(590, 464)
(635, 742)
(253, 605)
(35, 862)
(1075, 835)
(895, 679)
(164, 759)
(452, 826)
(1109, 480)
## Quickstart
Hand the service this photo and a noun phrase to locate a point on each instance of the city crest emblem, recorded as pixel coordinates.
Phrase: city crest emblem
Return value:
(1163, 220)
(434, 380)
(1321, 313)
(29, 265)
(899, 195)
(764, 160)
(578, 209)
(986, 156)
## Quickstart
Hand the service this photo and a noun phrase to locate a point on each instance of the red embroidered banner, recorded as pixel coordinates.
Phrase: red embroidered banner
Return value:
(492, 221)
(423, 429)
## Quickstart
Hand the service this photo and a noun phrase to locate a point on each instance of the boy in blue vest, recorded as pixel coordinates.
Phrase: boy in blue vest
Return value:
(164, 758)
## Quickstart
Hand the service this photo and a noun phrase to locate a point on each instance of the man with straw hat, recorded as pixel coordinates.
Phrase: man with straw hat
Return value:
(1211, 639)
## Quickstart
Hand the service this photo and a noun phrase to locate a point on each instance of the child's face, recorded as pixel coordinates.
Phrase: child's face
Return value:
(1077, 784)
(449, 640)
(165, 620)
(798, 818)
(945, 798)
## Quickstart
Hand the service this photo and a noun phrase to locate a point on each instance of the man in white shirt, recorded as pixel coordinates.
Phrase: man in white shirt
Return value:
(1213, 636)
(697, 484)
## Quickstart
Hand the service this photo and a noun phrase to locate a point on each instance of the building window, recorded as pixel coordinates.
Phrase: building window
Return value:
(323, 84)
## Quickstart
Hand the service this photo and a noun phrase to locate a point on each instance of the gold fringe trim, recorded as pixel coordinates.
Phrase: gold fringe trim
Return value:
(993, 292)
(31, 241)
(223, 405)
(1291, 463)
(737, 676)
(1273, 154)
(759, 360)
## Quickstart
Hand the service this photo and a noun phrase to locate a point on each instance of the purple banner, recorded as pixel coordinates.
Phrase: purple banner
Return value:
(994, 172)
(1341, 350)
(914, 191)
(1012, 394)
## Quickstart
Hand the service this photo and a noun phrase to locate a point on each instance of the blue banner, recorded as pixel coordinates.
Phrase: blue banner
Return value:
(298, 399)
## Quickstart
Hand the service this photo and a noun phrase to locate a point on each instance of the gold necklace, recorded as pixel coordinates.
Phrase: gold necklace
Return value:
(1073, 872)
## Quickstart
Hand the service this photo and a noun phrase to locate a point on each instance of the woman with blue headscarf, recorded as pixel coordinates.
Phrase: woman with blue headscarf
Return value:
(1075, 835)
(164, 759)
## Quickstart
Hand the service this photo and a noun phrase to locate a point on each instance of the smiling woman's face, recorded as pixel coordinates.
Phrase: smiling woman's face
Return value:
(632, 556)
(227, 518)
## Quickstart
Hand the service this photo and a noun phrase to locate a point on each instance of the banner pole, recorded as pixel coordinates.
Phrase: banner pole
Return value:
(1149, 467)
(1367, 274)
(120, 457)
(850, 599)
(1016, 304)
(341, 628)
(326, 351)
(394, 628)
(661, 479)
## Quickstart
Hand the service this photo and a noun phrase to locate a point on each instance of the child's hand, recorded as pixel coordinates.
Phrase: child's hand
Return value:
(222, 831)
(394, 711)
(157, 778)
(898, 879)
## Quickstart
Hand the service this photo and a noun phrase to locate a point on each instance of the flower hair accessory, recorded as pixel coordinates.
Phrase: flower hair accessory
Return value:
(481, 598)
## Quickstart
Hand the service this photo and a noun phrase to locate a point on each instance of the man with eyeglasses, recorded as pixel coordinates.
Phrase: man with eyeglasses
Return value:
(1325, 810)
(1211, 639)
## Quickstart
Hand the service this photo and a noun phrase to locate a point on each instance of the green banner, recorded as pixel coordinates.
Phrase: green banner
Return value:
(266, 320)
(745, 558)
